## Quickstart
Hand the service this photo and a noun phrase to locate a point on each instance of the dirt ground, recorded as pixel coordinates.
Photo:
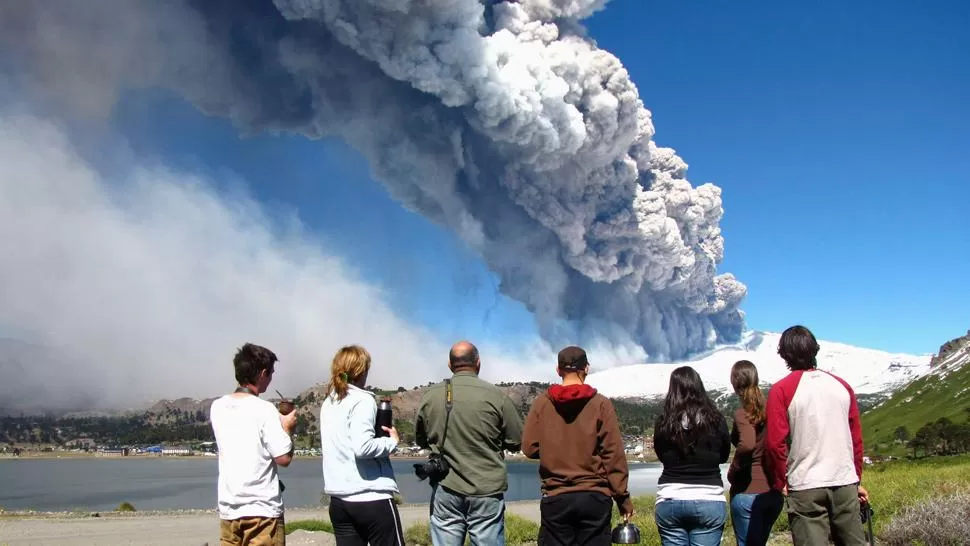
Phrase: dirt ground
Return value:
(188, 528)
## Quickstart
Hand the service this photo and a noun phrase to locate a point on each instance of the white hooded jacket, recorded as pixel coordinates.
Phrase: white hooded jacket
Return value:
(354, 460)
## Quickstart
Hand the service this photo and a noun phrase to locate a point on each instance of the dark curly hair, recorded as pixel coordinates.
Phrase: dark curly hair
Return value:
(798, 347)
(250, 360)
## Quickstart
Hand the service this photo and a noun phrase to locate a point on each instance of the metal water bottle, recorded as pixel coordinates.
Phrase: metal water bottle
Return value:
(384, 418)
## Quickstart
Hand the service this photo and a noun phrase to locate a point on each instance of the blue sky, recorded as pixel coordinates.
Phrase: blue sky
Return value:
(839, 133)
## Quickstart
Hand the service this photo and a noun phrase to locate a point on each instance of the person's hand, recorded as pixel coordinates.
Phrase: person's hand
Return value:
(863, 495)
(784, 491)
(289, 421)
(392, 432)
(626, 510)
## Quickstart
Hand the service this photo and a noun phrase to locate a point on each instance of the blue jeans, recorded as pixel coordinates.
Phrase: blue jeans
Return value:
(753, 515)
(690, 522)
(453, 516)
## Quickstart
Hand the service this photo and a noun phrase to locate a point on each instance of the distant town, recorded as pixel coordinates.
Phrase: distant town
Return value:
(180, 428)
(636, 448)
(184, 435)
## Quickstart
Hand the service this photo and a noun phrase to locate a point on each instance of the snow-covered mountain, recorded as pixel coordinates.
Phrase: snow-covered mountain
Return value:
(868, 371)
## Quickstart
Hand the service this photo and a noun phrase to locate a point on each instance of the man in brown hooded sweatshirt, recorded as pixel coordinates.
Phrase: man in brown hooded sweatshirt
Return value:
(574, 433)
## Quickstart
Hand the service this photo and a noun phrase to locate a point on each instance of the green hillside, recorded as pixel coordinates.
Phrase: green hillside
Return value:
(942, 393)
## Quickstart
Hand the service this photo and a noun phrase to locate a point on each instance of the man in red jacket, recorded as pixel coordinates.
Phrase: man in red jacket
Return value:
(822, 471)
(574, 433)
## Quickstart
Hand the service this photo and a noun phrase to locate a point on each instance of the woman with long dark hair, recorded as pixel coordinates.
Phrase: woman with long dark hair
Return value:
(754, 505)
(692, 441)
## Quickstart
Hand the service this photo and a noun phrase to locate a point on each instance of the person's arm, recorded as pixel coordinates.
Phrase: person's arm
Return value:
(855, 427)
(725, 437)
(421, 428)
(512, 425)
(735, 440)
(614, 458)
(365, 445)
(658, 441)
(276, 435)
(776, 435)
(747, 439)
(530, 433)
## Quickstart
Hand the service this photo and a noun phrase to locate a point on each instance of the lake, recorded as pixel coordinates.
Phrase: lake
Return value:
(163, 483)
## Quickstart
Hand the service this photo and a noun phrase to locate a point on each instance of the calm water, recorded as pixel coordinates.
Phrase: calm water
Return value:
(158, 483)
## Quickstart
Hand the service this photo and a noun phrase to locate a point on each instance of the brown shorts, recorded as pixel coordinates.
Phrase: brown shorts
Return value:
(254, 531)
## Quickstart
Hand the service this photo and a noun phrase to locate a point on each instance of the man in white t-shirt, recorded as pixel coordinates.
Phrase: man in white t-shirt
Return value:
(253, 439)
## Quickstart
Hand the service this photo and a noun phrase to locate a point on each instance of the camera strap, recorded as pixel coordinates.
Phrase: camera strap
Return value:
(449, 398)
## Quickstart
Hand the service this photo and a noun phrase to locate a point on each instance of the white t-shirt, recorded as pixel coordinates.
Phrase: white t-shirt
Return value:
(249, 435)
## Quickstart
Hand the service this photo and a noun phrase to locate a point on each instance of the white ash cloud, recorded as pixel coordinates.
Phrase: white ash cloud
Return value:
(141, 283)
(499, 120)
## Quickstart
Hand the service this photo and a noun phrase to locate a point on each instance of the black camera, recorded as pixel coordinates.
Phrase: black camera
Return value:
(865, 513)
(434, 469)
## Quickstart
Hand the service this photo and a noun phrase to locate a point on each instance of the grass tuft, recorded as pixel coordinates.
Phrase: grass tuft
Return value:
(518, 531)
(419, 534)
(931, 521)
(309, 525)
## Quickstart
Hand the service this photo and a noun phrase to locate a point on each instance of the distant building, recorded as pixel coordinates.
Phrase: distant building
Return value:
(82, 443)
(176, 450)
(114, 451)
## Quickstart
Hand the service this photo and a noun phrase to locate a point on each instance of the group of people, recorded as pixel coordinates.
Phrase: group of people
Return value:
(803, 443)
(468, 424)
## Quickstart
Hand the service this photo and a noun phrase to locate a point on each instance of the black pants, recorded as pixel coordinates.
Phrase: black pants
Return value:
(580, 519)
(361, 523)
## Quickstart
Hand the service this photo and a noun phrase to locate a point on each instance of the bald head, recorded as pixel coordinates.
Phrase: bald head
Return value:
(463, 356)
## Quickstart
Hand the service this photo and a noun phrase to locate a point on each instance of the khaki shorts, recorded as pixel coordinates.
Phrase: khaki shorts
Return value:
(252, 531)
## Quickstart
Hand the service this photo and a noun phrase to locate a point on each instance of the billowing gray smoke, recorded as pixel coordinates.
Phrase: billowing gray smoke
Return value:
(500, 120)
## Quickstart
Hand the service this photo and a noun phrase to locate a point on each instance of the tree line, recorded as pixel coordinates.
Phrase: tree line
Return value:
(179, 426)
(182, 426)
(940, 437)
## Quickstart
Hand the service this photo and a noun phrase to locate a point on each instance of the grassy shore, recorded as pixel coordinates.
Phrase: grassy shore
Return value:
(895, 488)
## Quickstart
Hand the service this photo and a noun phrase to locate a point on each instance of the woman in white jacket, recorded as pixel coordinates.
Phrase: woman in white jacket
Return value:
(357, 472)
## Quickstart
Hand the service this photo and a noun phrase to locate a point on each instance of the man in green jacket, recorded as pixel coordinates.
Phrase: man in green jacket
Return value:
(484, 423)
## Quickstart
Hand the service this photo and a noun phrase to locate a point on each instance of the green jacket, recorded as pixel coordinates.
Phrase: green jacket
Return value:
(484, 423)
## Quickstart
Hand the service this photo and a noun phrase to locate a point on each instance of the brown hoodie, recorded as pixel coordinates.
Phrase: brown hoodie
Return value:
(574, 433)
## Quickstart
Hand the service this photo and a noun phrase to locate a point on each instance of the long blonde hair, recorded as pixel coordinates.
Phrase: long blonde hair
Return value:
(350, 362)
(744, 379)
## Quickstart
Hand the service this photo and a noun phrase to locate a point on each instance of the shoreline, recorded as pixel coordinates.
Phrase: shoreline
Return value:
(175, 527)
(301, 512)
(154, 456)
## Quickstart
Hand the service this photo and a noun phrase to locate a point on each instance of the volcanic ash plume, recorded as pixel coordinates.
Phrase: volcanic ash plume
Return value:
(499, 120)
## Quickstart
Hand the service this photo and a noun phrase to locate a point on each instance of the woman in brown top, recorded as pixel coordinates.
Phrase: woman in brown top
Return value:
(754, 505)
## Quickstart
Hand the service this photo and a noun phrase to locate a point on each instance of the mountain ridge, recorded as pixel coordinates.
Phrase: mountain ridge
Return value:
(895, 385)
(881, 374)
(868, 371)
(942, 392)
